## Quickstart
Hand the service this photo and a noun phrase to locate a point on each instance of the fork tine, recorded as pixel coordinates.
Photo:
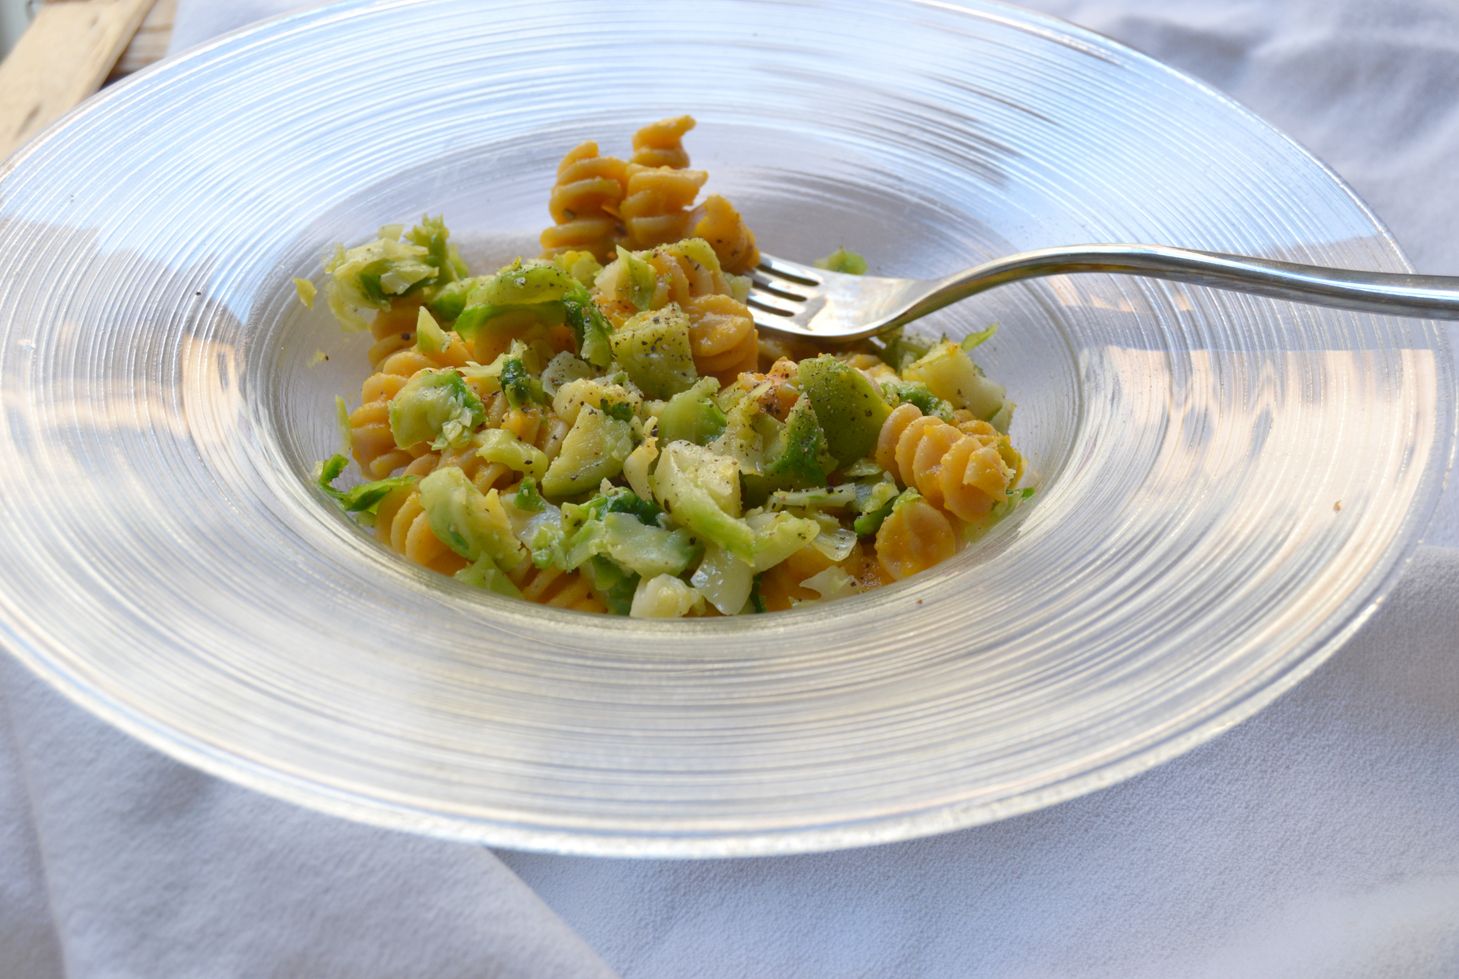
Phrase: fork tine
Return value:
(795, 294)
(780, 268)
(772, 304)
(775, 324)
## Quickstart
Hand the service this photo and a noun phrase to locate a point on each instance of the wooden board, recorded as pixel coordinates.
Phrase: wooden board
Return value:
(64, 56)
(151, 41)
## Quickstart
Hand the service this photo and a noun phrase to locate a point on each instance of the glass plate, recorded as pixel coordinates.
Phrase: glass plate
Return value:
(1226, 485)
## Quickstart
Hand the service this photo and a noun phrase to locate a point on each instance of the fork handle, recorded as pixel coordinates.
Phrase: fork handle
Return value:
(1394, 293)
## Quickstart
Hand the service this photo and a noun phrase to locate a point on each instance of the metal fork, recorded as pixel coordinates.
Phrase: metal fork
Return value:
(833, 307)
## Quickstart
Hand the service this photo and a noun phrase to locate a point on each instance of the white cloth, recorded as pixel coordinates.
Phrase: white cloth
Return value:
(1320, 838)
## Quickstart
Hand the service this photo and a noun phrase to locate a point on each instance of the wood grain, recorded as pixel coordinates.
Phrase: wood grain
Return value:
(63, 57)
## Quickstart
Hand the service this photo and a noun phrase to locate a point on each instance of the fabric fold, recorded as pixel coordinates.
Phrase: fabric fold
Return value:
(149, 868)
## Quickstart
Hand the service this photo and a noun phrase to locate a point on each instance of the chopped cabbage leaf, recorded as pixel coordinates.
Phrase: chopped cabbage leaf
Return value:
(364, 498)
(435, 406)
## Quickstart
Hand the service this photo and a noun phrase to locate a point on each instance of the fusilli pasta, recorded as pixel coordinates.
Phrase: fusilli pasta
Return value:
(717, 222)
(959, 469)
(913, 538)
(584, 203)
(661, 144)
(401, 524)
(605, 430)
(371, 440)
(656, 203)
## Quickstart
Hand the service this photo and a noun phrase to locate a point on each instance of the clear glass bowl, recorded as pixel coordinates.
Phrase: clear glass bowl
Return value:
(1227, 485)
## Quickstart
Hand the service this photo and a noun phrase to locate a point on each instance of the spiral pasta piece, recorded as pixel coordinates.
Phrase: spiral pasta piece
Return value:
(560, 589)
(485, 475)
(680, 277)
(776, 390)
(722, 337)
(661, 144)
(393, 329)
(963, 470)
(371, 440)
(537, 427)
(655, 208)
(913, 538)
(584, 203)
(495, 337)
(401, 524)
(717, 222)
(877, 371)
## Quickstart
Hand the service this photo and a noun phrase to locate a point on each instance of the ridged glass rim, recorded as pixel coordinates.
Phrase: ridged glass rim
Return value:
(400, 814)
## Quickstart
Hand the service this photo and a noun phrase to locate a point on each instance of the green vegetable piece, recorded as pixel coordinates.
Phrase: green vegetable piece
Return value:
(369, 276)
(1015, 499)
(527, 499)
(637, 547)
(580, 265)
(917, 393)
(692, 415)
(484, 574)
(471, 523)
(563, 369)
(640, 276)
(757, 601)
(429, 337)
(342, 424)
(749, 431)
(842, 260)
(487, 378)
(520, 386)
(653, 349)
(623, 500)
(501, 446)
(592, 451)
(616, 400)
(544, 538)
(819, 498)
(364, 498)
(950, 374)
(849, 407)
(591, 329)
(1003, 417)
(725, 581)
(701, 490)
(778, 536)
(611, 584)
(664, 597)
(800, 457)
(450, 300)
(541, 289)
(431, 234)
(435, 406)
(526, 284)
(479, 316)
(619, 499)
(306, 291)
(978, 339)
(875, 507)
(898, 349)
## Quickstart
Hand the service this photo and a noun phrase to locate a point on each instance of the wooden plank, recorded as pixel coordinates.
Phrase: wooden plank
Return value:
(151, 42)
(63, 57)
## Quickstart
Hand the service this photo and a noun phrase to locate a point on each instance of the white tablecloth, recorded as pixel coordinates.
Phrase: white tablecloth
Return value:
(1320, 838)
